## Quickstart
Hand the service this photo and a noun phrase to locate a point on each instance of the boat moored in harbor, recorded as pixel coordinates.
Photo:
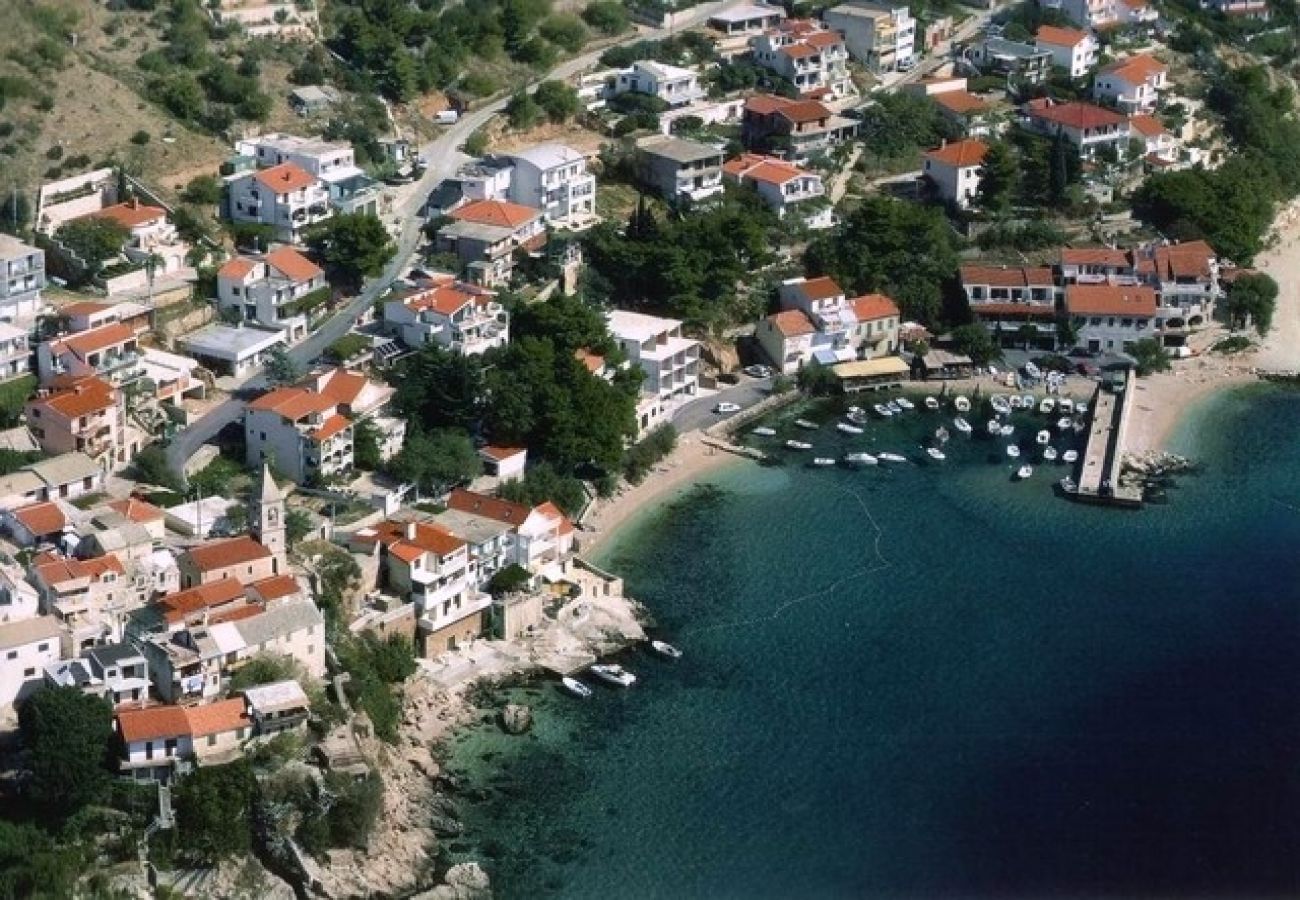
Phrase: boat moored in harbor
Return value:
(905, 404)
(994, 427)
(1043, 437)
(805, 424)
(860, 459)
(1049, 453)
(891, 457)
(1024, 472)
(935, 454)
(1070, 456)
(575, 687)
(764, 432)
(931, 402)
(1000, 405)
(1047, 406)
(798, 445)
(663, 648)
(1065, 423)
(961, 404)
(822, 461)
(1013, 451)
(848, 428)
(883, 411)
(961, 425)
(613, 673)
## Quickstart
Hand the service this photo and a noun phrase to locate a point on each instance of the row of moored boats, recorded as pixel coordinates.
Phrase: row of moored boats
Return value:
(613, 673)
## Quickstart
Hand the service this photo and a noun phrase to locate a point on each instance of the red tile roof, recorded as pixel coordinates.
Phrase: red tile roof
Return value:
(77, 397)
(961, 103)
(444, 299)
(800, 50)
(1001, 276)
(960, 154)
(824, 39)
(230, 552)
(293, 265)
(495, 212)
(874, 306)
(796, 111)
(89, 341)
(408, 541)
(462, 500)
(155, 722)
(1147, 126)
(756, 167)
(214, 718)
(41, 518)
(1110, 300)
(792, 323)
(330, 427)
(500, 453)
(1083, 116)
(237, 269)
(276, 586)
(1095, 256)
(286, 177)
(1136, 69)
(344, 386)
(1060, 37)
(1191, 259)
(822, 287)
(85, 308)
(181, 605)
(55, 570)
(137, 510)
(593, 361)
(294, 403)
(130, 214)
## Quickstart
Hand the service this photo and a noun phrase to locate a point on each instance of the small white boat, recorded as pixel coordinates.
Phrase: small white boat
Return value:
(1081, 408)
(1015, 402)
(848, 428)
(935, 454)
(822, 461)
(1047, 406)
(860, 459)
(1043, 437)
(1024, 472)
(856, 416)
(961, 404)
(905, 404)
(893, 407)
(931, 402)
(961, 425)
(1000, 405)
(891, 457)
(575, 687)
(1049, 453)
(882, 410)
(663, 648)
(798, 445)
(1065, 405)
(764, 432)
(854, 411)
(994, 427)
(1064, 423)
(804, 423)
(941, 434)
(1013, 451)
(1027, 402)
(613, 673)
(1007, 430)
(1070, 456)
(1033, 371)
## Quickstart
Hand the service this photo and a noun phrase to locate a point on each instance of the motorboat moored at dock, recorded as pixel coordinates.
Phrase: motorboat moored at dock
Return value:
(613, 673)
(860, 459)
(798, 445)
(575, 687)
(663, 648)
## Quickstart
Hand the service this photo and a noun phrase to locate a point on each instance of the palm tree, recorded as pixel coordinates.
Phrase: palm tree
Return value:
(151, 264)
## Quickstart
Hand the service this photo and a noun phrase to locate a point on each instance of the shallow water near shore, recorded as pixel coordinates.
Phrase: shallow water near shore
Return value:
(929, 680)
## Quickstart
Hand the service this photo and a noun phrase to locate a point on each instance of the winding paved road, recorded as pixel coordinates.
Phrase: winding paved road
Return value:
(444, 159)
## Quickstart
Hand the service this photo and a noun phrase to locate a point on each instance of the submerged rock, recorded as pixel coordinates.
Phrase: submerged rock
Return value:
(464, 881)
(516, 718)
(445, 826)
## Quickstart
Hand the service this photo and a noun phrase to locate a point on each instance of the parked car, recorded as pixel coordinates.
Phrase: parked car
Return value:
(723, 409)
(757, 371)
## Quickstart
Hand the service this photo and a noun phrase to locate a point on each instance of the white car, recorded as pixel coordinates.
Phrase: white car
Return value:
(758, 371)
(725, 408)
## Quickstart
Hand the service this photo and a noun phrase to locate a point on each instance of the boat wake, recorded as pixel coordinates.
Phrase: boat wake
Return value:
(877, 562)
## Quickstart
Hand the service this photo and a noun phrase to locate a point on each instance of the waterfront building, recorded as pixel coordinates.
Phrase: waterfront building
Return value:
(670, 363)
(1111, 317)
(820, 323)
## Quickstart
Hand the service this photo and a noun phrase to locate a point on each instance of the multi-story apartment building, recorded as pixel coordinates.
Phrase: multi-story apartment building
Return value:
(286, 197)
(880, 36)
(954, 170)
(15, 352)
(796, 129)
(1015, 59)
(333, 163)
(1107, 13)
(149, 234)
(361, 399)
(819, 323)
(270, 289)
(783, 186)
(1133, 84)
(814, 60)
(540, 537)
(678, 169)
(671, 84)
(110, 352)
(299, 431)
(1111, 317)
(732, 28)
(485, 234)
(26, 648)
(1006, 299)
(464, 318)
(91, 598)
(1089, 128)
(669, 361)
(554, 179)
(22, 277)
(1073, 50)
(85, 414)
(158, 741)
(118, 672)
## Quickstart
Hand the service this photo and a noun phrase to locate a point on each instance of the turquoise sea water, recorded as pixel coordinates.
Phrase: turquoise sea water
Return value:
(932, 681)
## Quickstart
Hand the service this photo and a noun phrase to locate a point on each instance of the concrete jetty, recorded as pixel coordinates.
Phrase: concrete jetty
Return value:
(1098, 478)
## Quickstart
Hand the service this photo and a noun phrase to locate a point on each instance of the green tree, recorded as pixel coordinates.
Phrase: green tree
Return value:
(281, 368)
(214, 809)
(298, 523)
(901, 249)
(352, 246)
(1149, 355)
(522, 112)
(998, 175)
(150, 467)
(15, 211)
(94, 239)
(542, 483)
(180, 94)
(438, 460)
(896, 125)
(67, 736)
(264, 668)
(438, 388)
(36, 866)
(476, 144)
(558, 100)
(365, 445)
(609, 17)
(975, 341)
(566, 31)
(817, 380)
(1252, 300)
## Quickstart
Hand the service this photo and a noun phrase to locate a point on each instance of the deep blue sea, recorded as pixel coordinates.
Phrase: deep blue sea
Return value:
(930, 681)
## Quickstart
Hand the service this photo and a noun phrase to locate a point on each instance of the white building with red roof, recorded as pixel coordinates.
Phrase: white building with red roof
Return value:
(464, 318)
(1090, 128)
(1111, 317)
(1073, 50)
(784, 187)
(540, 537)
(1006, 298)
(811, 57)
(83, 413)
(299, 431)
(1132, 84)
(285, 197)
(1160, 148)
(797, 128)
(1109, 13)
(149, 234)
(157, 740)
(361, 399)
(879, 35)
(954, 170)
(90, 598)
(111, 352)
(821, 323)
(278, 289)
(485, 234)
(85, 315)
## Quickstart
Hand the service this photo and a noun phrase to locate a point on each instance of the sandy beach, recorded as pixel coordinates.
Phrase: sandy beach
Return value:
(689, 461)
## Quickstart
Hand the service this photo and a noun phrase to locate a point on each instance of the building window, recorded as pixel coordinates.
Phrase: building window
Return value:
(212, 740)
(12, 654)
(42, 647)
(29, 673)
